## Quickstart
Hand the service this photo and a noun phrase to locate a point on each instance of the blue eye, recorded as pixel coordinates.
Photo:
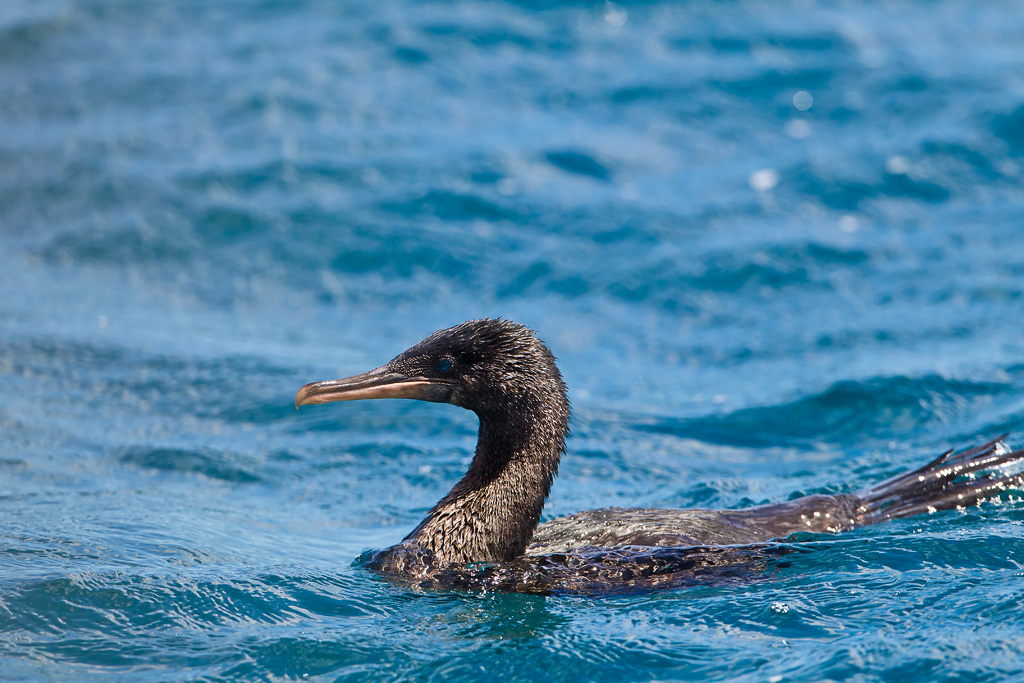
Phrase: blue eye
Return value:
(444, 365)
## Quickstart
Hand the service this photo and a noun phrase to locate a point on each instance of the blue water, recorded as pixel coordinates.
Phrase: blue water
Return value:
(778, 248)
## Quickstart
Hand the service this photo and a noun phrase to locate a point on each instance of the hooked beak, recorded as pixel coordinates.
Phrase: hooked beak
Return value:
(379, 383)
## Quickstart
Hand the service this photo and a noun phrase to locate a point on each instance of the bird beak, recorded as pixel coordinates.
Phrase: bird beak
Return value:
(379, 383)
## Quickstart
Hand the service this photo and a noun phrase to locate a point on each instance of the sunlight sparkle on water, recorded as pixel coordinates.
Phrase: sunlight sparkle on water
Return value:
(764, 179)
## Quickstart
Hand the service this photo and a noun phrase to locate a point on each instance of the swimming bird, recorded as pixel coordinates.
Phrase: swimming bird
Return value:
(485, 532)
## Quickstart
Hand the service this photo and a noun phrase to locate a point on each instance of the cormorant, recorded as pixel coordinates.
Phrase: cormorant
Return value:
(484, 533)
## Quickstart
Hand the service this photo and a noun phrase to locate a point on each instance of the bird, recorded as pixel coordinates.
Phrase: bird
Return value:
(485, 533)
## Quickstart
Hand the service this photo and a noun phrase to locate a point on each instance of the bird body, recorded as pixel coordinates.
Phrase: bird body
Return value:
(484, 533)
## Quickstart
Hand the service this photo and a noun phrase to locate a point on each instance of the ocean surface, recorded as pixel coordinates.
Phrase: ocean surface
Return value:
(778, 248)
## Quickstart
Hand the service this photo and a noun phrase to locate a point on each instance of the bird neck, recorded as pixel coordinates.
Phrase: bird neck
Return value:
(491, 513)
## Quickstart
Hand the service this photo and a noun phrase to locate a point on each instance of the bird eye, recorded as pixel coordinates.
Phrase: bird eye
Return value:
(444, 365)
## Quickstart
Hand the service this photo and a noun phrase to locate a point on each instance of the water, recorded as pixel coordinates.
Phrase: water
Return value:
(777, 247)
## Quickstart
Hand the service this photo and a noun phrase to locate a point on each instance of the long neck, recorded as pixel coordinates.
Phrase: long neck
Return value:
(490, 514)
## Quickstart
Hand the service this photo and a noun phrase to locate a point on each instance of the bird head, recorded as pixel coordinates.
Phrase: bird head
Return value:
(487, 366)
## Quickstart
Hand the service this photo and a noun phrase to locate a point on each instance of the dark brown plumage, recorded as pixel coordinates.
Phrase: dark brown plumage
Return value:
(501, 371)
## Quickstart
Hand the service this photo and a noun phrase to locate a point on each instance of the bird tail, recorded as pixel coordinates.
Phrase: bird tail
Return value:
(950, 481)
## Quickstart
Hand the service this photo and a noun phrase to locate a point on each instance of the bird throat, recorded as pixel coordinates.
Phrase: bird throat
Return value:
(491, 513)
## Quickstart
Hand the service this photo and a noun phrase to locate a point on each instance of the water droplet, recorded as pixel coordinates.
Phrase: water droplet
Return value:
(764, 179)
(897, 166)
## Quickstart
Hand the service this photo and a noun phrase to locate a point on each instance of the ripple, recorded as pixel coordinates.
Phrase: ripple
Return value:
(849, 410)
(1009, 128)
(213, 464)
(580, 163)
(25, 31)
(130, 244)
(451, 206)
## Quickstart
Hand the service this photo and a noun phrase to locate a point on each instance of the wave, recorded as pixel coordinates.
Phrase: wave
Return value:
(847, 412)
(213, 464)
